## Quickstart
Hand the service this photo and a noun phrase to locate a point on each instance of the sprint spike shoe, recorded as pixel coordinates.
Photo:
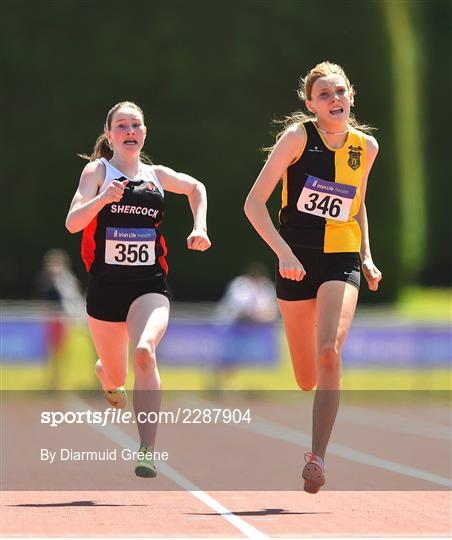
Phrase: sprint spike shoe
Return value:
(313, 473)
(145, 467)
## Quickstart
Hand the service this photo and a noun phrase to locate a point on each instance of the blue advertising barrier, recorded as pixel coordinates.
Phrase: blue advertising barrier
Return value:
(193, 343)
(398, 346)
(220, 344)
(24, 340)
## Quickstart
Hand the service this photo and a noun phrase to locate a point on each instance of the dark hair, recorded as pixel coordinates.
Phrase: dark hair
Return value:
(102, 147)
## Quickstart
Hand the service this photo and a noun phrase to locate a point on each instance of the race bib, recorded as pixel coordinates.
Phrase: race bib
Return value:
(130, 247)
(329, 200)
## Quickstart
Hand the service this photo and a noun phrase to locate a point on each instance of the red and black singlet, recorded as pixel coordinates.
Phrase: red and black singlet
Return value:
(123, 242)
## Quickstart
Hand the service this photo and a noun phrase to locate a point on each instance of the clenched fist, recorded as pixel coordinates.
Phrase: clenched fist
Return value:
(114, 191)
(290, 267)
(198, 240)
(371, 273)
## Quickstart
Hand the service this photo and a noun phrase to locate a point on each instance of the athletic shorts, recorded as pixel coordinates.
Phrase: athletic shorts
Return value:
(320, 267)
(111, 300)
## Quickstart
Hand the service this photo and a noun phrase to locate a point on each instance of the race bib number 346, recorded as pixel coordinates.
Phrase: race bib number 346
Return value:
(130, 247)
(329, 200)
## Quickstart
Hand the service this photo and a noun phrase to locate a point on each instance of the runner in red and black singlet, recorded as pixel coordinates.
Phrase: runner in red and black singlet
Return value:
(123, 241)
(119, 207)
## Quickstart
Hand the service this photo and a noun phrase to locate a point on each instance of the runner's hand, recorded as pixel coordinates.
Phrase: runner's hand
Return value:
(114, 191)
(198, 240)
(290, 267)
(371, 273)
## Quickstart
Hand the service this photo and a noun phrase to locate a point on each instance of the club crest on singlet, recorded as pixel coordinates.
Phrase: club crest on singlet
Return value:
(354, 157)
(151, 186)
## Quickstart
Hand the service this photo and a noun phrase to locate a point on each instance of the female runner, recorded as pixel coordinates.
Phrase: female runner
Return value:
(119, 207)
(324, 159)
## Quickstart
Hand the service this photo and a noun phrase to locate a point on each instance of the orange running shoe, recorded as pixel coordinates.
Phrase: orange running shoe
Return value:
(313, 473)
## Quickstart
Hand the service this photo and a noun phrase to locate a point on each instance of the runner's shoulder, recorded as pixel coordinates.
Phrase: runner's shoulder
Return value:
(294, 137)
(372, 144)
(94, 172)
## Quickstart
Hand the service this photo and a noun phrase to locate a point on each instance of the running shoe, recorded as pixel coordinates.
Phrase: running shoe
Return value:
(313, 473)
(117, 397)
(145, 467)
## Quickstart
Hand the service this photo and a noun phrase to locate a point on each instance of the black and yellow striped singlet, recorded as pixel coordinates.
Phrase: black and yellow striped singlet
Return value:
(345, 165)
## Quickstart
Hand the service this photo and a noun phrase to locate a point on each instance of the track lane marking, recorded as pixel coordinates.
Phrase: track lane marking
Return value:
(279, 432)
(352, 414)
(123, 439)
(282, 433)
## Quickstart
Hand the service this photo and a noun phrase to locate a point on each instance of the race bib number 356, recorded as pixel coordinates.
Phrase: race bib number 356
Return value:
(130, 247)
(329, 200)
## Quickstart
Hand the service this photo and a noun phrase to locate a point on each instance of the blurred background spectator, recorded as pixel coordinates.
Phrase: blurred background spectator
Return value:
(56, 284)
(249, 298)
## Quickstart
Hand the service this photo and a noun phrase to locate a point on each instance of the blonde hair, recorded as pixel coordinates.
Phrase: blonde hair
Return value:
(102, 147)
(305, 93)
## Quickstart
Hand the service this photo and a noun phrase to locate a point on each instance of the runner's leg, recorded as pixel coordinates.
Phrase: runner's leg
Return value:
(299, 319)
(111, 342)
(336, 303)
(146, 322)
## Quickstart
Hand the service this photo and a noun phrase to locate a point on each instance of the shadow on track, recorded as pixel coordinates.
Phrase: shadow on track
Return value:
(72, 503)
(265, 512)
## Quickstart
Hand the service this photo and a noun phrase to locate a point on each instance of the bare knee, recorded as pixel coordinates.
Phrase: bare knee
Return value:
(329, 358)
(305, 383)
(144, 357)
(304, 369)
(307, 387)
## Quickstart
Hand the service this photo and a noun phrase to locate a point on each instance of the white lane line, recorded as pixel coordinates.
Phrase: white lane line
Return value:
(125, 441)
(279, 432)
(282, 433)
(398, 423)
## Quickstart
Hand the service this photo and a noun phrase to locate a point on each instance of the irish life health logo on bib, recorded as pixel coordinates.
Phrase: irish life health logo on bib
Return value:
(130, 247)
(329, 200)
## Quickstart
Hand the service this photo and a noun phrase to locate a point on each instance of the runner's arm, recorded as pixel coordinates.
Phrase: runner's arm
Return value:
(371, 272)
(195, 190)
(361, 216)
(86, 203)
(285, 151)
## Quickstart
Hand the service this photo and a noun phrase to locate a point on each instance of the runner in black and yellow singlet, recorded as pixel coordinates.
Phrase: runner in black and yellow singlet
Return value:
(324, 159)
(314, 222)
(320, 199)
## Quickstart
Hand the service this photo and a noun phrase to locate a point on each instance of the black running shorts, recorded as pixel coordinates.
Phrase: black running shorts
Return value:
(320, 267)
(110, 300)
